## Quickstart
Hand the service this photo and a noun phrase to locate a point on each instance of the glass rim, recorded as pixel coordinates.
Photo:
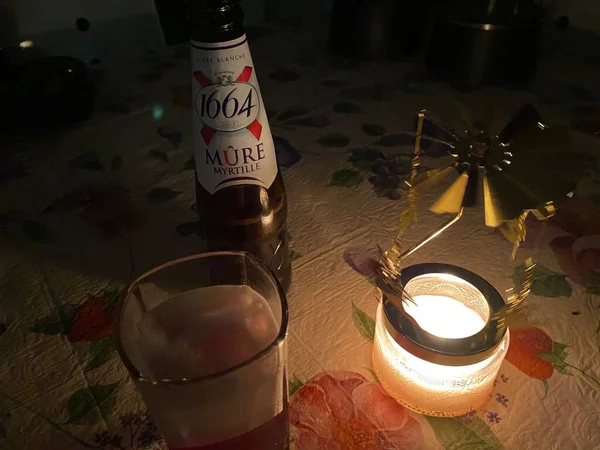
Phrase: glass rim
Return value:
(281, 335)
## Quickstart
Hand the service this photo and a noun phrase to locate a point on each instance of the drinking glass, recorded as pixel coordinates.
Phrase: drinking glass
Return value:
(204, 339)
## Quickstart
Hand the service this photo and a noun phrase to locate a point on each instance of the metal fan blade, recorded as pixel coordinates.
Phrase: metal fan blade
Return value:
(549, 209)
(525, 121)
(433, 129)
(541, 186)
(451, 200)
(491, 209)
(517, 295)
(504, 199)
(464, 116)
(428, 179)
(515, 231)
(554, 145)
(561, 167)
(547, 176)
(472, 189)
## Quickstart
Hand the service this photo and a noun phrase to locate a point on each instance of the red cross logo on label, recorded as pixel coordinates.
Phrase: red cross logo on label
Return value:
(230, 109)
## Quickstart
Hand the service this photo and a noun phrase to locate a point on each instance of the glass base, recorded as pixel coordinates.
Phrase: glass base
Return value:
(426, 411)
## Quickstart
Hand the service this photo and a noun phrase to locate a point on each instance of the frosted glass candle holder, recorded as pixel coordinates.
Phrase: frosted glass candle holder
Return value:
(441, 356)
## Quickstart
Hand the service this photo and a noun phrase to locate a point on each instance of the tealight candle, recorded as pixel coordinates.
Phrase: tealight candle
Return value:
(440, 356)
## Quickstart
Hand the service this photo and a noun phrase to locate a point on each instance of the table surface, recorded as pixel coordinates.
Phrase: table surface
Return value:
(81, 210)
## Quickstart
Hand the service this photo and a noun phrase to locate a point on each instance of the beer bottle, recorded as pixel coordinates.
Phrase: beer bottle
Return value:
(239, 189)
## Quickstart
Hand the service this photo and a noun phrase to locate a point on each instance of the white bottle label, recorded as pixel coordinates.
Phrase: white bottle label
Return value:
(232, 140)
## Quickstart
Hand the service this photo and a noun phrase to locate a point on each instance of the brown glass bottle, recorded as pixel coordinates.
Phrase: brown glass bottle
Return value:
(240, 194)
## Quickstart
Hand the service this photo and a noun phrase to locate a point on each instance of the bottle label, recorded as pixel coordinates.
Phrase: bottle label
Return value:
(232, 140)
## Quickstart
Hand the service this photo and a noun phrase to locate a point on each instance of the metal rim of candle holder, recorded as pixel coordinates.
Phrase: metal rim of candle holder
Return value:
(448, 352)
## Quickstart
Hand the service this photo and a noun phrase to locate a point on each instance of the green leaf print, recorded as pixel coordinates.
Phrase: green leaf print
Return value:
(334, 140)
(100, 352)
(294, 384)
(54, 323)
(546, 283)
(89, 405)
(346, 178)
(162, 194)
(455, 435)
(372, 129)
(364, 324)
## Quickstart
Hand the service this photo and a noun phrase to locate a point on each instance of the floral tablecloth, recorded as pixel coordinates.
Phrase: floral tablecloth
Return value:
(82, 210)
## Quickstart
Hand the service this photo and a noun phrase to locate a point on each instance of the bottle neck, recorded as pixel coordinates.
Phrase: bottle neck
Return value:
(216, 20)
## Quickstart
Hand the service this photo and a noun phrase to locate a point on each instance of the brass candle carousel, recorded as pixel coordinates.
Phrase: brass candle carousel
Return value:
(441, 330)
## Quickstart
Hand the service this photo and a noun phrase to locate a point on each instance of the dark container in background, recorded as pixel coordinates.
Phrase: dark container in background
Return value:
(379, 30)
(485, 42)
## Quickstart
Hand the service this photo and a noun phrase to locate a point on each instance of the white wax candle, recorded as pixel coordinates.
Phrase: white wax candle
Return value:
(444, 317)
